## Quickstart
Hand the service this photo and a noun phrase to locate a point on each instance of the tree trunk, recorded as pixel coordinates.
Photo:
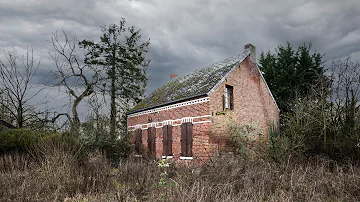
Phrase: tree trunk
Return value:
(20, 116)
(112, 101)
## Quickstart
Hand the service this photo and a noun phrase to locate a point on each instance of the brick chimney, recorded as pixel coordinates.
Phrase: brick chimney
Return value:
(173, 76)
(251, 48)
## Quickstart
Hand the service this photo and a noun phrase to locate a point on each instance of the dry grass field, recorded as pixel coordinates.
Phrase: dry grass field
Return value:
(57, 172)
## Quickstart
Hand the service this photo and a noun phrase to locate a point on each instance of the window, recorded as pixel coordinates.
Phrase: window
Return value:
(167, 141)
(186, 139)
(151, 141)
(138, 141)
(228, 98)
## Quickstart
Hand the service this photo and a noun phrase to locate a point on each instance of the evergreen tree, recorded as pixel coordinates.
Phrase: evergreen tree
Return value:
(291, 73)
(122, 57)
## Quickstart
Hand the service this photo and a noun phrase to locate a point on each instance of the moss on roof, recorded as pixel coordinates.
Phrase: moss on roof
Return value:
(199, 82)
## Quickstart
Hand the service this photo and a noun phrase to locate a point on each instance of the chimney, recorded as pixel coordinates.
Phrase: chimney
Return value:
(251, 48)
(173, 76)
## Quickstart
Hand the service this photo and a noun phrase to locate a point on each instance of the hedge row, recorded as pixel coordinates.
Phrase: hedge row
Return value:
(21, 139)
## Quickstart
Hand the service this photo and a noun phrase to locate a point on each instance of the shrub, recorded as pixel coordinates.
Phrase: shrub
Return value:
(20, 140)
(17, 139)
(96, 136)
(243, 137)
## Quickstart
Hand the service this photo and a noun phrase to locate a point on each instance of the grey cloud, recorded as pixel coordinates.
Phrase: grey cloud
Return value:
(187, 35)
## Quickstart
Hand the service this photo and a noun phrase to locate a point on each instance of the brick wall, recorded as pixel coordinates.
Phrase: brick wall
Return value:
(200, 130)
(253, 104)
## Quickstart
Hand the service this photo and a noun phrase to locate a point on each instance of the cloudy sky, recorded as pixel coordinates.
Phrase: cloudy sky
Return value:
(185, 35)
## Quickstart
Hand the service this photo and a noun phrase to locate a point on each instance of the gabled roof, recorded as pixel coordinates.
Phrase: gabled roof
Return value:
(198, 83)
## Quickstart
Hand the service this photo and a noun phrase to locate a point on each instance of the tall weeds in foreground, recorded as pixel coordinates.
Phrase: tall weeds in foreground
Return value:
(52, 170)
(236, 179)
(60, 173)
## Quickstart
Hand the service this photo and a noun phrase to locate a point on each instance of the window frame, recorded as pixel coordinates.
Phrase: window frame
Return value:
(228, 97)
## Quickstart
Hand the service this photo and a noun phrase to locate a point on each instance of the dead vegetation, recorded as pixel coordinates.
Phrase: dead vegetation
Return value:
(59, 172)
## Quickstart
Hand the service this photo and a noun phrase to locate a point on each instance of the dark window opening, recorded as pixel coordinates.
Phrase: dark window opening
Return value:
(167, 140)
(186, 139)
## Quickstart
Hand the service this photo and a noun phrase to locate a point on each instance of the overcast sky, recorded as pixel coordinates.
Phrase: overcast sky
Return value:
(185, 35)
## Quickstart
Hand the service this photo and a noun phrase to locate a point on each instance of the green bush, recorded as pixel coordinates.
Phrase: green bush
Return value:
(117, 149)
(20, 139)
(17, 139)
(96, 136)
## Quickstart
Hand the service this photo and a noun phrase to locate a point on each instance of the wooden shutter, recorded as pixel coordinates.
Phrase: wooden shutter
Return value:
(138, 141)
(169, 140)
(151, 141)
(165, 140)
(183, 139)
(223, 102)
(189, 139)
(186, 139)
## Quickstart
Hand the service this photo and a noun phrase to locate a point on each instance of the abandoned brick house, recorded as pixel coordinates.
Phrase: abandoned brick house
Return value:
(183, 118)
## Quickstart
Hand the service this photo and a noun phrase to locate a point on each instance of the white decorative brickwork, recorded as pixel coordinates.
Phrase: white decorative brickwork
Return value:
(181, 104)
(170, 122)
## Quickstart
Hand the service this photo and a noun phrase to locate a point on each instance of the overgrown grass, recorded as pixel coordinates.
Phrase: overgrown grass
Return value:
(57, 172)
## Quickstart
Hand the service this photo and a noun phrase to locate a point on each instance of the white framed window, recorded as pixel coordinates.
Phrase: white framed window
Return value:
(228, 97)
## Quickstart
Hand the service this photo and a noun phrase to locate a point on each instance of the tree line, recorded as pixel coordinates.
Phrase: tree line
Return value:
(115, 67)
(319, 102)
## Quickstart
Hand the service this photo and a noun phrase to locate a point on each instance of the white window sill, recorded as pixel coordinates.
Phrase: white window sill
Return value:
(167, 157)
(186, 157)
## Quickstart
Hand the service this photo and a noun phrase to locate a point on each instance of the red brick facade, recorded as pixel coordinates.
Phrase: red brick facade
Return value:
(253, 104)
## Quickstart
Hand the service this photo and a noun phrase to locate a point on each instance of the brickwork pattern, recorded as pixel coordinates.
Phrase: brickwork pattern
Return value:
(253, 104)
(200, 130)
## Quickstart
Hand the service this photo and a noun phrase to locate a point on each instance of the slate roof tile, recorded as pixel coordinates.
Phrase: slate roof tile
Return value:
(197, 83)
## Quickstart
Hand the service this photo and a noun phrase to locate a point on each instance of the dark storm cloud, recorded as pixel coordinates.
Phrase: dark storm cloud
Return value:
(186, 35)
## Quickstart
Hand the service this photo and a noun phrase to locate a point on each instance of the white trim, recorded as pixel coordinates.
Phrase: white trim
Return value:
(201, 122)
(168, 122)
(186, 158)
(167, 157)
(181, 104)
(187, 120)
(171, 122)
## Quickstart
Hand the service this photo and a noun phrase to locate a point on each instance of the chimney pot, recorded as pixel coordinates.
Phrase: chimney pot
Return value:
(173, 76)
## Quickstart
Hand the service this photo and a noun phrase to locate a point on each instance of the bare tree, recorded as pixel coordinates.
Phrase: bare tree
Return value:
(17, 91)
(71, 72)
